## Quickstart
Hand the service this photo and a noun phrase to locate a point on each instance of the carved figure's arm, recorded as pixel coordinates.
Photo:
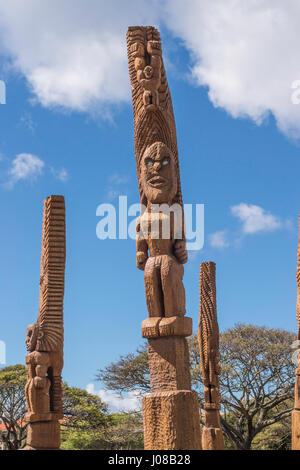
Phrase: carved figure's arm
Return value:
(141, 247)
(40, 382)
(180, 251)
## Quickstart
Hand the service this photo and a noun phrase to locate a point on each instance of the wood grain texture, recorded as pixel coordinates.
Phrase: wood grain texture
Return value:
(44, 339)
(296, 412)
(170, 412)
(208, 340)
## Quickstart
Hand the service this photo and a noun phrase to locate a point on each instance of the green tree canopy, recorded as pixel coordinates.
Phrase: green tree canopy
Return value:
(130, 372)
(82, 411)
(13, 405)
(256, 382)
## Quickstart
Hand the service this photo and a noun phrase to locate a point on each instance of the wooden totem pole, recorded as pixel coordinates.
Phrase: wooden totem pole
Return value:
(208, 339)
(44, 339)
(170, 411)
(296, 411)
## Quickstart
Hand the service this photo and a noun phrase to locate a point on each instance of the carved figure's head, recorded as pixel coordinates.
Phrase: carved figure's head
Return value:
(158, 174)
(31, 336)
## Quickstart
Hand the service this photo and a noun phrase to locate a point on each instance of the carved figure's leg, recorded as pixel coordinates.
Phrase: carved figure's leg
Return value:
(56, 394)
(27, 395)
(32, 397)
(172, 286)
(44, 399)
(153, 288)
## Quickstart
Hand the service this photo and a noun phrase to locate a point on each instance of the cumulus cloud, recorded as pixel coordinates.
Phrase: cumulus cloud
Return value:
(73, 55)
(27, 167)
(218, 239)
(24, 167)
(255, 219)
(246, 53)
(116, 402)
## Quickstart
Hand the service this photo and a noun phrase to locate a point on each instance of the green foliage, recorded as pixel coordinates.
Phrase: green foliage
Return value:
(13, 405)
(87, 424)
(130, 372)
(256, 382)
(13, 375)
(256, 387)
(275, 437)
(124, 431)
(82, 409)
(75, 439)
(84, 414)
(85, 419)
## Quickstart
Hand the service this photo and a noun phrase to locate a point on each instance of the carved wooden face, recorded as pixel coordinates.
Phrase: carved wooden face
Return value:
(158, 174)
(31, 337)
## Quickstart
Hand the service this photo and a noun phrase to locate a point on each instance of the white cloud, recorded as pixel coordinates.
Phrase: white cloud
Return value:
(245, 52)
(74, 56)
(62, 175)
(25, 166)
(117, 403)
(218, 239)
(255, 219)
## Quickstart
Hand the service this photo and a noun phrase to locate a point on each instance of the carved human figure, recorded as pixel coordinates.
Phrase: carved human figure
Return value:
(148, 71)
(159, 253)
(38, 384)
(31, 337)
(170, 411)
(44, 339)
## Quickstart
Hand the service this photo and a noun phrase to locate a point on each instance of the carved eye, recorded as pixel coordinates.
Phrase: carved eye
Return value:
(149, 163)
(165, 162)
(148, 71)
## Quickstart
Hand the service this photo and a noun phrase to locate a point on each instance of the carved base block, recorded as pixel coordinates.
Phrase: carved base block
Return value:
(296, 430)
(177, 326)
(41, 417)
(169, 364)
(212, 436)
(43, 435)
(171, 421)
(154, 327)
(212, 439)
(150, 327)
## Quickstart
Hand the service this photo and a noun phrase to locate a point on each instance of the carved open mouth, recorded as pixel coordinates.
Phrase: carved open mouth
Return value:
(157, 181)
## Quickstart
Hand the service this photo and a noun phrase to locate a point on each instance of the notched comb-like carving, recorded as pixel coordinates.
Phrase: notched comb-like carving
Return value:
(208, 332)
(50, 318)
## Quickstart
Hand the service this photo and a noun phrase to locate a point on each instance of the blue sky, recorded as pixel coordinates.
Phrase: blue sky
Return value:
(230, 154)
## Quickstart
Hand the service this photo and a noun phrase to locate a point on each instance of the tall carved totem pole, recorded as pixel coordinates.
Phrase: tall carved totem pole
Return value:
(296, 411)
(208, 339)
(170, 411)
(44, 339)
